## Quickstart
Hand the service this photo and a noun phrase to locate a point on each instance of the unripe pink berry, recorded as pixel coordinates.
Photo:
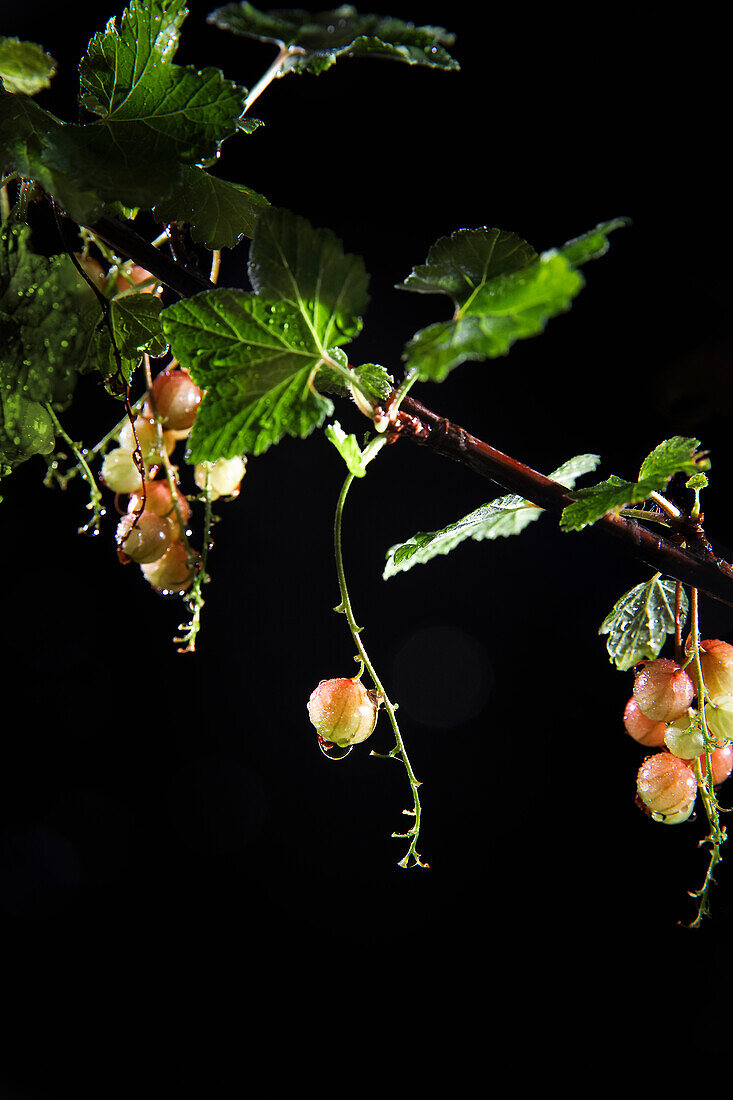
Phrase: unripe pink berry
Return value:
(644, 730)
(176, 398)
(158, 499)
(172, 574)
(145, 541)
(667, 786)
(716, 662)
(663, 690)
(343, 711)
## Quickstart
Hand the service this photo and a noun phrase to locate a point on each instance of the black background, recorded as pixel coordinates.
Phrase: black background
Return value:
(165, 814)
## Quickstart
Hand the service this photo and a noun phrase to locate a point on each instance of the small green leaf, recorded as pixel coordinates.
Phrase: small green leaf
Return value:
(640, 620)
(673, 456)
(505, 516)
(348, 447)
(25, 67)
(591, 245)
(219, 214)
(501, 289)
(374, 382)
(319, 39)
(678, 455)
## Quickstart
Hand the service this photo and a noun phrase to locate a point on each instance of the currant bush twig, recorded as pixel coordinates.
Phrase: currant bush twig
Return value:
(95, 496)
(411, 857)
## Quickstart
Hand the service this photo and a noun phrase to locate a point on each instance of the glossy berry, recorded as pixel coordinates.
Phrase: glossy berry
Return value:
(119, 472)
(343, 711)
(145, 541)
(147, 436)
(667, 786)
(158, 499)
(663, 690)
(716, 662)
(171, 575)
(225, 476)
(719, 719)
(684, 738)
(176, 398)
(644, 730)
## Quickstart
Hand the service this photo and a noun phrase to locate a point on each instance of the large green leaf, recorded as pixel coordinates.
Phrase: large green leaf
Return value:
(25, 67)
(678, 455)
(504, 516)
(128, 76)
(254, 357)
(318, 39)
(638, 623)
(291, 261)
(219, 214)
(501, 289)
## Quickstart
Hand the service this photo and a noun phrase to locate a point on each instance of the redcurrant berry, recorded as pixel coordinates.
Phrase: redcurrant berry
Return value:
(176, 398)
(667, 786)
(663, 690)
(343, 711)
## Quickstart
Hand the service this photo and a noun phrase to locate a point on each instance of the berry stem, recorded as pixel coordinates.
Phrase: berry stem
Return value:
(411, 856)
(717, 835)
(95, 496)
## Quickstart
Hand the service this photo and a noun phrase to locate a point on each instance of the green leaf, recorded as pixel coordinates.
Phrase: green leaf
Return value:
(307, 268)
(460, 265)
(46, 330)
(218, 213)
(127, 76)
(504, 516)
(501, 289)
(319, 39)
(591, 245)
(640, 620)
(25, 67)
(676, 455)
(255, 358)
(348, 447)
(373, 381)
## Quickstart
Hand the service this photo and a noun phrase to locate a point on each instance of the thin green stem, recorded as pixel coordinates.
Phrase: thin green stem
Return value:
(95, 496)
(273, 72)
(412, 856)
(717, 835)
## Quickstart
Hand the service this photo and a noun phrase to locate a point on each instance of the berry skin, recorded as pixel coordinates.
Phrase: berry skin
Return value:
(684, 738)
(176, 398)
(119, 472)
(716, 662)
(667, 786)
(135, 275)
(171, 575)
(343, 711)
(145, 541)
(147, 435)
(719, 719)
(644, 730)
(663, 690)
(158, 499)
(225, 476)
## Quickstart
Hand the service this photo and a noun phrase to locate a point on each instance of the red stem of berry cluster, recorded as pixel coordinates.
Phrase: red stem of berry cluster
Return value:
(695, 565)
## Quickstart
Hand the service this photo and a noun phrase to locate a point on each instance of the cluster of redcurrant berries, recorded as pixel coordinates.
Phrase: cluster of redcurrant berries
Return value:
(661, 714)
(152, 532)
